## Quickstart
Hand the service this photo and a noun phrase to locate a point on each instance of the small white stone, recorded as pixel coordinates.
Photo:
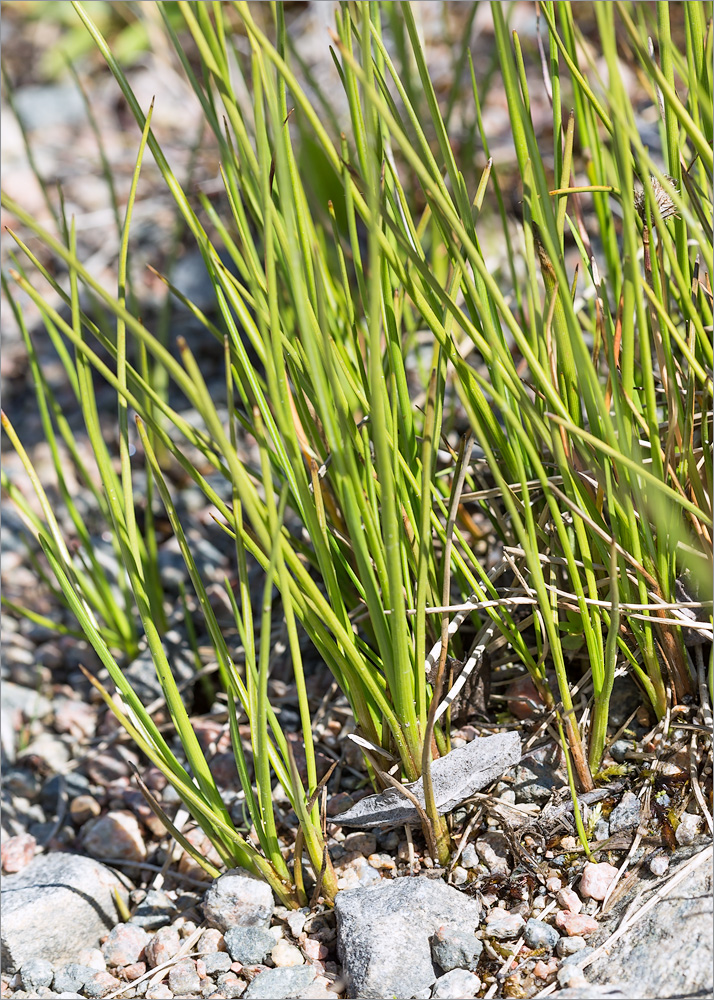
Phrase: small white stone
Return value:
(459, 875)
(686, 832)
(285, 955)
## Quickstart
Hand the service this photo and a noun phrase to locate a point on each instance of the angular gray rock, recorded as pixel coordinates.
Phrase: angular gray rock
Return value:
(459, 774)
(237, 897)
(249, 945)
(456, 985)
(384, 931)
(57, 905)
(452, 948)
(668, 953)
(277, 984)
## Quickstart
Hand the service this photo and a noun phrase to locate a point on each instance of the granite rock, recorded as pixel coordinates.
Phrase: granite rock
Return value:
(384, 931)
(57, 905)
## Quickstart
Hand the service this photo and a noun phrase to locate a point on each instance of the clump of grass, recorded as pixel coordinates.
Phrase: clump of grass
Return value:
(592, 410)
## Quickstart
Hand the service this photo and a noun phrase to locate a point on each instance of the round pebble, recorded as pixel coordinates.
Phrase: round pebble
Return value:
(286, 955)
(569, 946)
(183, 978)
(125, 945)
(17, 852)
(116, 835)
(659, 864)
(452, 948)
(459, 875)
(538, 934)
(249, 945)
(162, 946)
(596, 879)
(84, 808)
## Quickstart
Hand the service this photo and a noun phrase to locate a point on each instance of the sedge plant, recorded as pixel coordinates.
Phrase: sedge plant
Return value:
(587, 390)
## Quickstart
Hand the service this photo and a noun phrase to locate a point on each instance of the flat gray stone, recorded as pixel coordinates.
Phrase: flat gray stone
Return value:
(668, 953)
(55, 907)
(455, 777)
(277, 984)
(384, 932)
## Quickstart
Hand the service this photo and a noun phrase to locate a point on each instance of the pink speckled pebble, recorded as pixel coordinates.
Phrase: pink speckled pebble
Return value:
(543, 969)
(314, 950)
(17, 852)
(553, 884)
(575, 923)
(570, 900)
(596, 879)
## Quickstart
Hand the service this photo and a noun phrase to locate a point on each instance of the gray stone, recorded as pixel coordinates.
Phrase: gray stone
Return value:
(504, 925)
(217, 961)
(569, 946)
(459, 774)
(619, 749)
(579, 956)
(249, 945)
(456, 985)
(183, 978)
(570, 976)
(452, 948)
(71, 977)
(626, 813)
(155, 911)
(237, 897)
(668, 952)
(469, 857)
(538, 934)
(36, 972)
(277, 984)
(57, 905)
(383, 933)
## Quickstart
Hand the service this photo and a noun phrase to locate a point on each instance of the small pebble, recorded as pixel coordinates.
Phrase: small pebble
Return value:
(544, 969)
(17, 852)
(211, 940)
(573, 924)
(314, 951)
(569, 900)
(99, 984)
(286, 955)
(183, 978)
(596, 879)
(456, 985)
(469, 857)
(459, 875)
(36, 972)
(134, 971)
(382, 862)
(686, 832)
(163, 946)
(504, 925)
(602, 830)
(538, 934)
(230, 985)
(116, 835)
(453, 948)
(249, 945)
(217, 961)
(295, 920)
(493, 849)
(553, 884)
(571, 977)
(569, 946)
(159, 992)
(619, 749)
(93, 958)
(124, 945)
(659, 864)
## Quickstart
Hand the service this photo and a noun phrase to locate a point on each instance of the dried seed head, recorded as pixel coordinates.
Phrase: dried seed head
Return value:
(664, 203)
